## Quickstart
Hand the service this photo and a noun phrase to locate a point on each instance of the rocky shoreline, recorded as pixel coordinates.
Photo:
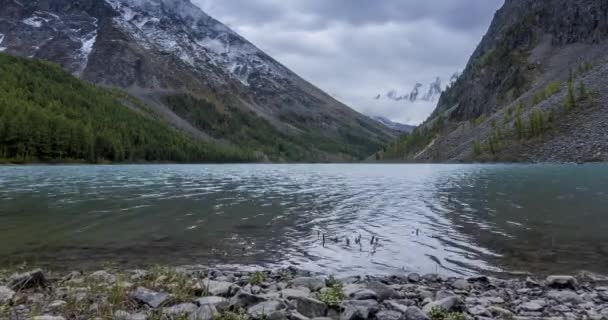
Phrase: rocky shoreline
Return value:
(203, 293)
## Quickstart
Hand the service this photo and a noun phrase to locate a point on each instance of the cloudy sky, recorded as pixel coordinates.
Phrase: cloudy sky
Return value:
(357, 49)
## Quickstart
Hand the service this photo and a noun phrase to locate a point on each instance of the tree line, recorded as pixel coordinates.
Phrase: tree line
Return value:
(48, 115)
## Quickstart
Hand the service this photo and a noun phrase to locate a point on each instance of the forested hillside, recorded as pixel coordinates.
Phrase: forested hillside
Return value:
(48, 115)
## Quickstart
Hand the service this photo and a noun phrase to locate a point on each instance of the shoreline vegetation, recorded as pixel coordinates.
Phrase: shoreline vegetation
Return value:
(238, 293)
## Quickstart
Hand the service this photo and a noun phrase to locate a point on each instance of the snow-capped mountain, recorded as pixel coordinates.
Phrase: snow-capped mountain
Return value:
(430, 93)
(153, 48)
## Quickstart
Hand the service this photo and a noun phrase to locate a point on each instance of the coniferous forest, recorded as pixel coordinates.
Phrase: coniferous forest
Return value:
(47, 115)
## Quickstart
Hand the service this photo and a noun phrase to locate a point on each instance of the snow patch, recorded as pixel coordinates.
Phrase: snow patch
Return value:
(35, 21)
(88, 41)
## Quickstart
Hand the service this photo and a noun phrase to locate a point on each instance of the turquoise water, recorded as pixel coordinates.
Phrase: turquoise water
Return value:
(460, 219)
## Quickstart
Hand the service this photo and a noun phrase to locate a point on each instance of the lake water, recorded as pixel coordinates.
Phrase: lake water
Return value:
(455, 219)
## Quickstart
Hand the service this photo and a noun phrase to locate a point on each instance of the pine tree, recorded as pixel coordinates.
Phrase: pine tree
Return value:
(570, 98)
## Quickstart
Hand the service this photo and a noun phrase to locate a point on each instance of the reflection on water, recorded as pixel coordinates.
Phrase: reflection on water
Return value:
(448, 218)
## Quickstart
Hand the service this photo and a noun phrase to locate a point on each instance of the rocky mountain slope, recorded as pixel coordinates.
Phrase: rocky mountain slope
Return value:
(399, 127)
(158, 50)
(534, 90)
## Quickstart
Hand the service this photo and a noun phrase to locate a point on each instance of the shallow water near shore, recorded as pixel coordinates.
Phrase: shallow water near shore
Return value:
(454, 219)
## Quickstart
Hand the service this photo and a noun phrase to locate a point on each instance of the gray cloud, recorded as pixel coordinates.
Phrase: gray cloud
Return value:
(356, 49)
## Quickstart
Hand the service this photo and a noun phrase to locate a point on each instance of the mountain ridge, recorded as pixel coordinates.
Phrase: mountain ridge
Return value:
(534, 90)
(156, 48)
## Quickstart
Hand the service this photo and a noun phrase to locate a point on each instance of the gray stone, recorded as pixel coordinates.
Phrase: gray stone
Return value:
(451, 304)
(413, 277)
(152, 298)
(57, 304)
(103, 276)
(562, 282)
(395, 305)
(265, 309)
(27, 280)
(530, 283)
(500, 313)
(295, 292)
(364, 294)
(48, 317)
(312, 283)
(565, 296)
(533, 306)
(244, 300)
(218, 288)
(480, 311)
(413, 313)
(442, 294)
(218, 302)
(205, 312)
(461, 284)
(180, 309)
(383, 291)
(124, 315)
(6, 294)
(388, 315)
(431, 277)
(358, 309)
(309, 307)
(294, 315)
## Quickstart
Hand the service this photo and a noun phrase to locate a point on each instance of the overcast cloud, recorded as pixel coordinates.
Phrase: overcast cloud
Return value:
(356, 49)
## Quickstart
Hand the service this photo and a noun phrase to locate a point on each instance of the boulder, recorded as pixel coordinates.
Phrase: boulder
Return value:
(103, 276)
(180, 310)
(413, 277)
(442, 294)
(48, 317)
(57, 304)
(124, 315)
(218, 302)
(218, 288)
(244, 300)
(395, 305)
(382, 291)
(295, 292)
(500, 313)
(358, 309)
(309, 307)
(27, 280)
(389, 315)
(480, 311)
(461, 284)
(562, 282)
(565, 296)
(205, 312)
(363, 294)
(450, 304)
(312, 283)
(6, 294)
(532, 306)
(151, 298)
(413, 313)
(265, 309)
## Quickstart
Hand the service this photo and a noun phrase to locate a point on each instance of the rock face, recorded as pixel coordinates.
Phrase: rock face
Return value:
(530, 47)
(152, 298)
(158, 48)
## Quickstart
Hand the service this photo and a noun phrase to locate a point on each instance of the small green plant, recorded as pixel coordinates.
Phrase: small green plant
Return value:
(257, 278)
(570, 98)
(333, 294)
(229, 315)
(477, 150)
(438, 313)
